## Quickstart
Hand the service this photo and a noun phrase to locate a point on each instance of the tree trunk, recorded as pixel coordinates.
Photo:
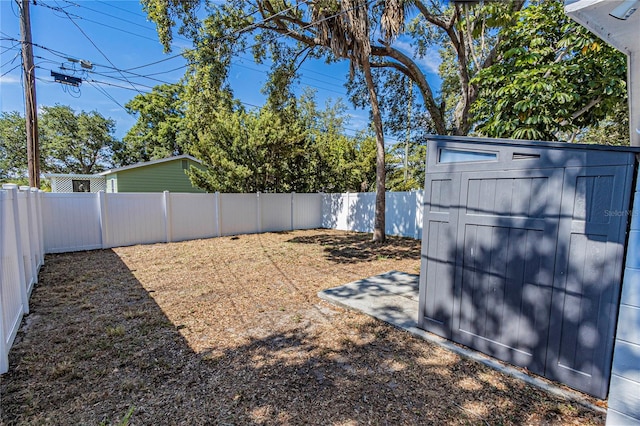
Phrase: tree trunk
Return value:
(379, 222)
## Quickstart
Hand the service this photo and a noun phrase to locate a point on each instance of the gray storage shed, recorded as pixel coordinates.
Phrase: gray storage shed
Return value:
(522, 252)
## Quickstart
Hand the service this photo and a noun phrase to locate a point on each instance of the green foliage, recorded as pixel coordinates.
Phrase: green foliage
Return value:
(13, 146)
(160, 129)
(296, 148)
(247, 152)
(554, 78)
(76, 142)
(70, 142)
(612, 130)
(412, 177)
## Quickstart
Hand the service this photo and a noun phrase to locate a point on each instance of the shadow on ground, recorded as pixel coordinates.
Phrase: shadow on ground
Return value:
(98, 348)
(358, 247)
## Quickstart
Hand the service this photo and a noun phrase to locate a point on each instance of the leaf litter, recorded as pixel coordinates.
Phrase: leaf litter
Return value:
(230, 330)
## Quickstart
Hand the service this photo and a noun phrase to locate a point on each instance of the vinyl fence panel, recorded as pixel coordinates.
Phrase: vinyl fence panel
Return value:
(12, 288)
(71, 222)
(401, 209)
(361, 211)
(238, 214)
(307, 211)
(25, 239)
(332, 207)
(193, 216)
(134, 218)
(86, 221)
(275, 212)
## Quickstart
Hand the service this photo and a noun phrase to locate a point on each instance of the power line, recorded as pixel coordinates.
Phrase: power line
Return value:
(5, 73)
(95, 45)
(73, 15)
(155, 63)
(147, 76)
(10, 60)
(126, 80)
(121, 8)
(310, 85)
(68, 57)
(120, 19)
(132, 87)
(105, 93)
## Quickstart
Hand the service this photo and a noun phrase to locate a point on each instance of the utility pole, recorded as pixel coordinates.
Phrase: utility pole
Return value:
(31, 107)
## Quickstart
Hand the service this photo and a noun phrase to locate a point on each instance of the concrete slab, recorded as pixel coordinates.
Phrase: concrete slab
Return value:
(393, 298)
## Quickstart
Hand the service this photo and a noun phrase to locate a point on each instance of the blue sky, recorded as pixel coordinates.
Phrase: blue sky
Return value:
(128, 59)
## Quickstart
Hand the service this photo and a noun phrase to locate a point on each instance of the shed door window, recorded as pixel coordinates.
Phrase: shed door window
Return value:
(81, 185)
(463, 156)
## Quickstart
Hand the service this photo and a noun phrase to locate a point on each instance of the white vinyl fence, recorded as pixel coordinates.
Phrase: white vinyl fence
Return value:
(21, 255)
(85, 221)
(356, 212)
(33, 223)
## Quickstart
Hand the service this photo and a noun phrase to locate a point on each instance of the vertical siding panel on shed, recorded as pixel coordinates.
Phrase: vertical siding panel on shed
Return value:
(536, 256)
(587, 279)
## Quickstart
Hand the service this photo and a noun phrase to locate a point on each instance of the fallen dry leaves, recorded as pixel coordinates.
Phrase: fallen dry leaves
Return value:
(230, 331)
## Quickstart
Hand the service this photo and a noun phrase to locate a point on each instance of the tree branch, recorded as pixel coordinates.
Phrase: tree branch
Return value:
(424, 11)
(582, 110)
(411, 70)
(467, 25)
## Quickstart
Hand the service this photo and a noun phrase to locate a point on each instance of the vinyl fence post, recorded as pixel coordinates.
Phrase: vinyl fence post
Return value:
(40, 226)
(13, 190)
(218, 215)
(31, 224)
(419, 206)
(102, 212)
(4, 352)
(347, 213)
(293, 210)
(27, 240)
(166, 205)
(37, 234)
(258, 212)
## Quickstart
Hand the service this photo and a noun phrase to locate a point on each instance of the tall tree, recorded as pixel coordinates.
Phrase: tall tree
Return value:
(339, 29)
(250, 152)
(552, 78)
(338, 163)
(76, 142)
(281, 149)
(13, 148)
(159, 131)
(470, 34)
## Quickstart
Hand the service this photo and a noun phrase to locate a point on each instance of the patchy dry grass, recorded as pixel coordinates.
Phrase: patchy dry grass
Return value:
(230, 331)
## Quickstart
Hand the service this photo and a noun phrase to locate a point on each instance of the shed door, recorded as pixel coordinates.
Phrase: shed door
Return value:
(588, 276)
(507, 228)
(525, 265)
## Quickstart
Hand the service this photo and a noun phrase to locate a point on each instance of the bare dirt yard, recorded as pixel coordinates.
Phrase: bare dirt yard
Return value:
(230, 331)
